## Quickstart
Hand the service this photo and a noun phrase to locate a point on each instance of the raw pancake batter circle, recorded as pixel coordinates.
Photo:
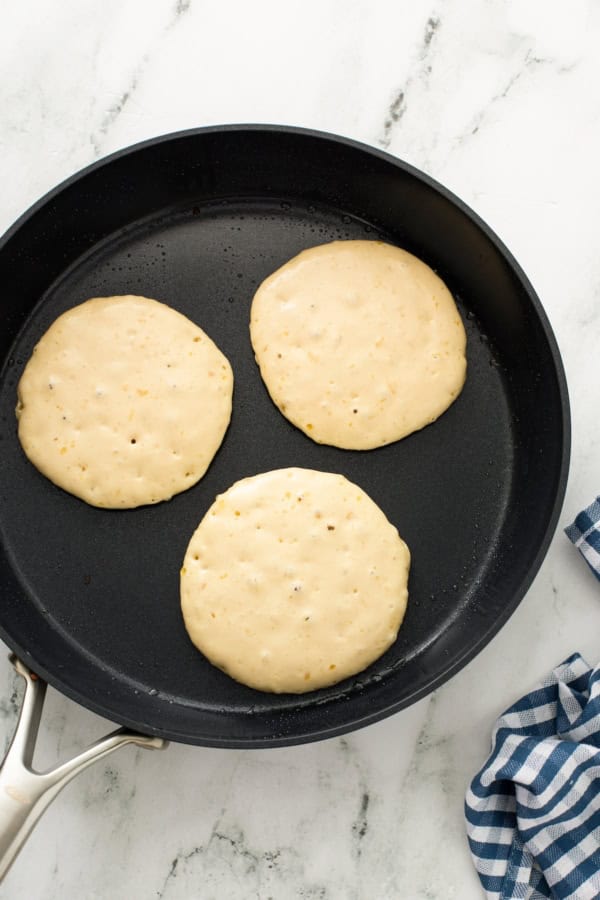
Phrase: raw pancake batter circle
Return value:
(359, 343)
(124, 402)
(294, 580)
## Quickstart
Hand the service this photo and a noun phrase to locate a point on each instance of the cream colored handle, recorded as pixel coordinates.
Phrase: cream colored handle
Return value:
(24, 793)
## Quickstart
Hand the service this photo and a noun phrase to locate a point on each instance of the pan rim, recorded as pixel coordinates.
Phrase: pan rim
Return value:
(456, 663)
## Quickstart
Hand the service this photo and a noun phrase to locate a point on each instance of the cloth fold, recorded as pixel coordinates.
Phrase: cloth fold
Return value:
(585, 534)
(533, 811)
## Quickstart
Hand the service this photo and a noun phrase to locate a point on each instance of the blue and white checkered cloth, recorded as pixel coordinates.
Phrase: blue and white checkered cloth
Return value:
(585, 534)
(533, 811)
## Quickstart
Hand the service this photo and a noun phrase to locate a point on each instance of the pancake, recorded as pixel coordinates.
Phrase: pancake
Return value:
(359, 343)
(294, 580)
(124, 402)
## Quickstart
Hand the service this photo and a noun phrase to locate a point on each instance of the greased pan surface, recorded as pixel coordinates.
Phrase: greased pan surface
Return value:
(90, 598)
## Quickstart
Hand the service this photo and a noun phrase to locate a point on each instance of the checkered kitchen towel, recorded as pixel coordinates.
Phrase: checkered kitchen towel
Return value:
(585, 534)
(533, 811)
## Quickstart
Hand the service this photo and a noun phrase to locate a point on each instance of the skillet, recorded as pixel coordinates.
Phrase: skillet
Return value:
(198, 219)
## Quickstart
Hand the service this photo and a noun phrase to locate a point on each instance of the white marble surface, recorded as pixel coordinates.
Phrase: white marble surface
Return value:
(501, 102)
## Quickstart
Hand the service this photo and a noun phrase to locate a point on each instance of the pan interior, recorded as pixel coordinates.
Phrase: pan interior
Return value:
(91, 597)
(109, 580)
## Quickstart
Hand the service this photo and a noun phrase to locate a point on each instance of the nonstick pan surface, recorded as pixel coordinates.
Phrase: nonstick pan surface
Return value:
(90, 598)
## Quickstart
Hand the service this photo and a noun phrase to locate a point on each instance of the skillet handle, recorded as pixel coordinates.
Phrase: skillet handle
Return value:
(24, 793)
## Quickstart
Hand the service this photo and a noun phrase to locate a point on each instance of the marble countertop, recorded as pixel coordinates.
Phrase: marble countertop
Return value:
(500, 101)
